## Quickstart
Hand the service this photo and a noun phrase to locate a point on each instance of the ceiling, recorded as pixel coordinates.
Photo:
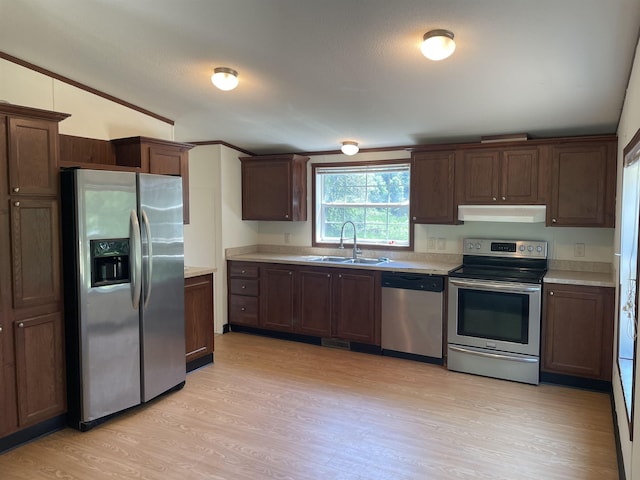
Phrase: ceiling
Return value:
(315, 73)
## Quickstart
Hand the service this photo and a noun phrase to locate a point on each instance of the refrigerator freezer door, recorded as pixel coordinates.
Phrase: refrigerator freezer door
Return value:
(108, 324)
(162, 302)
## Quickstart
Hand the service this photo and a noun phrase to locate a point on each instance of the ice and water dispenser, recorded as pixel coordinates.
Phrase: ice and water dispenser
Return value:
(109, 261)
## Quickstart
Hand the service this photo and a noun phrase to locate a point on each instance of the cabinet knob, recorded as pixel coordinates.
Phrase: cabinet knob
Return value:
(17, 204)
(243, 287)
(286, 215)
(243, 309)
(415, 218)
(21, 325)
(290, 273)
(328, 275)
(494, 199)
(0, 329)
(243, 271)
(553, 220)
(16, 189)
(504, 198)
(551, 293)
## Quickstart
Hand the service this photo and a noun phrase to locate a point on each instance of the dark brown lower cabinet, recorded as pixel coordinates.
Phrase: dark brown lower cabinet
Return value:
(356, 298)
(40, 369)
(316, 301)
(277, 297)
(306, 300)
(577, 329)
(198, 317)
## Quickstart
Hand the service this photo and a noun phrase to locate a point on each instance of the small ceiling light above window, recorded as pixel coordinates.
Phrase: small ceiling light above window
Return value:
(350, 148)
(438, 44)
(224, 78)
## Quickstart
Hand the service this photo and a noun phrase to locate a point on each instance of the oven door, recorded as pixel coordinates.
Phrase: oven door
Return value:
(498, 316)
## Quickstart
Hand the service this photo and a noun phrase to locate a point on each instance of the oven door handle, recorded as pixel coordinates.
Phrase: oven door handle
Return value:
(497, 286)
(494, 355)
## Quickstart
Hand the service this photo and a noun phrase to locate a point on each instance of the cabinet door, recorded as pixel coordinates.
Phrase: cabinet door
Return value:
(583, 185)
(432, 193)
(35, 251)
(519, 176)
(198, 316)
(277, 297)
(356, 313)
(578, 331)
(172, 161)
(266, 190)
(480, 176)
(33, 157)
(40, 368)
(315, 302)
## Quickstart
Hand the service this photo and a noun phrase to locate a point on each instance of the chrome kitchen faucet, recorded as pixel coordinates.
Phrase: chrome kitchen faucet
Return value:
(356, 250)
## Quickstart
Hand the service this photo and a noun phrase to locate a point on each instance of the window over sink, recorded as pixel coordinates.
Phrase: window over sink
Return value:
(372, 195)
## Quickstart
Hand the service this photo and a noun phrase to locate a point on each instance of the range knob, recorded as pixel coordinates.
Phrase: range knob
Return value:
(522, 248)
(530, 248)
(469, 246)
(478, 245)
(539, 249)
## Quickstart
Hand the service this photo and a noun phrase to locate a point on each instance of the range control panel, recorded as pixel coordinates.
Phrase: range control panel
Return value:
(505, 248)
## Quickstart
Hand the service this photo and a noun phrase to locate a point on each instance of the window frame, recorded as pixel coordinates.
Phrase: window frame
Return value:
(375, 163)
(629, 156)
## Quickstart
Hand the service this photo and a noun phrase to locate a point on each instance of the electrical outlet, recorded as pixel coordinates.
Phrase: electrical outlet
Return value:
(578, 250)
(431, 243)
(442, 243)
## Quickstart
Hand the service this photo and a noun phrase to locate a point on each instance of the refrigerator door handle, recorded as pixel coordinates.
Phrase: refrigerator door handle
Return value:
(147, 228)
(136, 253)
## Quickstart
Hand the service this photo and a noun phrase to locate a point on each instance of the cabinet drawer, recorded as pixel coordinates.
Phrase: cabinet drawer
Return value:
(240, 270)
(242, 286)
(243, 310)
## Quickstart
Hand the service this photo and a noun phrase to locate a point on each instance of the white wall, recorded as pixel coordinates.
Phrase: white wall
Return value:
(628, 126)
(216, 216)
(91, 116)
(598, 241)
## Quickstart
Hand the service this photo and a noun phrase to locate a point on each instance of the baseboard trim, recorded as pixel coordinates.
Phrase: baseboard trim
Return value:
(32, 433)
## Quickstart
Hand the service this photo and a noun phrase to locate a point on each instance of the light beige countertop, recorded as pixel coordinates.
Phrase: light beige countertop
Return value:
(428, 266)
(593, 279)
(190, 271)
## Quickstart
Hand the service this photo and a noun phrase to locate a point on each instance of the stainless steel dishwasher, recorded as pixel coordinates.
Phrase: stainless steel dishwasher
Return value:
(412, 316)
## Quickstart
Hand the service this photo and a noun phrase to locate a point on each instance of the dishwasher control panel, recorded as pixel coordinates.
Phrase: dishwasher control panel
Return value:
(413, 281)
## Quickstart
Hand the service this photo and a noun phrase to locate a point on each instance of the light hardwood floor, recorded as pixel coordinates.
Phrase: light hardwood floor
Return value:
(272, 409)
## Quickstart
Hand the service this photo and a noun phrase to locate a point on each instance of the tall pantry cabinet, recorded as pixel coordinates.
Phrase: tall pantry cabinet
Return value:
(32, 374)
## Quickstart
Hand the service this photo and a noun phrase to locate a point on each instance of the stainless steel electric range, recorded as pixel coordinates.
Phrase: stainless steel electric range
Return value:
(495, 309)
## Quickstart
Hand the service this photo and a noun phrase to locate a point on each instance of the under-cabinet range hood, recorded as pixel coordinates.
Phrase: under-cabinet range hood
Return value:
(502, 213)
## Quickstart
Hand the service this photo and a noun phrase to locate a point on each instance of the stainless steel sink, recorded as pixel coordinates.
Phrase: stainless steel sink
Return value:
(361, 260)
(367, 261)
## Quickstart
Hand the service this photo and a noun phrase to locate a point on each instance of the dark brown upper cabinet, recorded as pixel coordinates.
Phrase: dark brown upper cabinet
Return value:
(508, 176)
(274, 187)
(583, 183)
(432, 187)
(161, 157)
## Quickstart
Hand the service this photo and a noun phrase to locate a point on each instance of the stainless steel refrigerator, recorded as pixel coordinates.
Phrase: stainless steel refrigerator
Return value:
(124, 290)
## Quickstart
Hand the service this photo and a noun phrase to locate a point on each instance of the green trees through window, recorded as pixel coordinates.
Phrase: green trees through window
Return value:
(374, 197)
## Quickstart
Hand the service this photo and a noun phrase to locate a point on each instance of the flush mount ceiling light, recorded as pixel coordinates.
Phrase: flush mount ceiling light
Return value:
(438, 44)
(224, 78)
(350, 148)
